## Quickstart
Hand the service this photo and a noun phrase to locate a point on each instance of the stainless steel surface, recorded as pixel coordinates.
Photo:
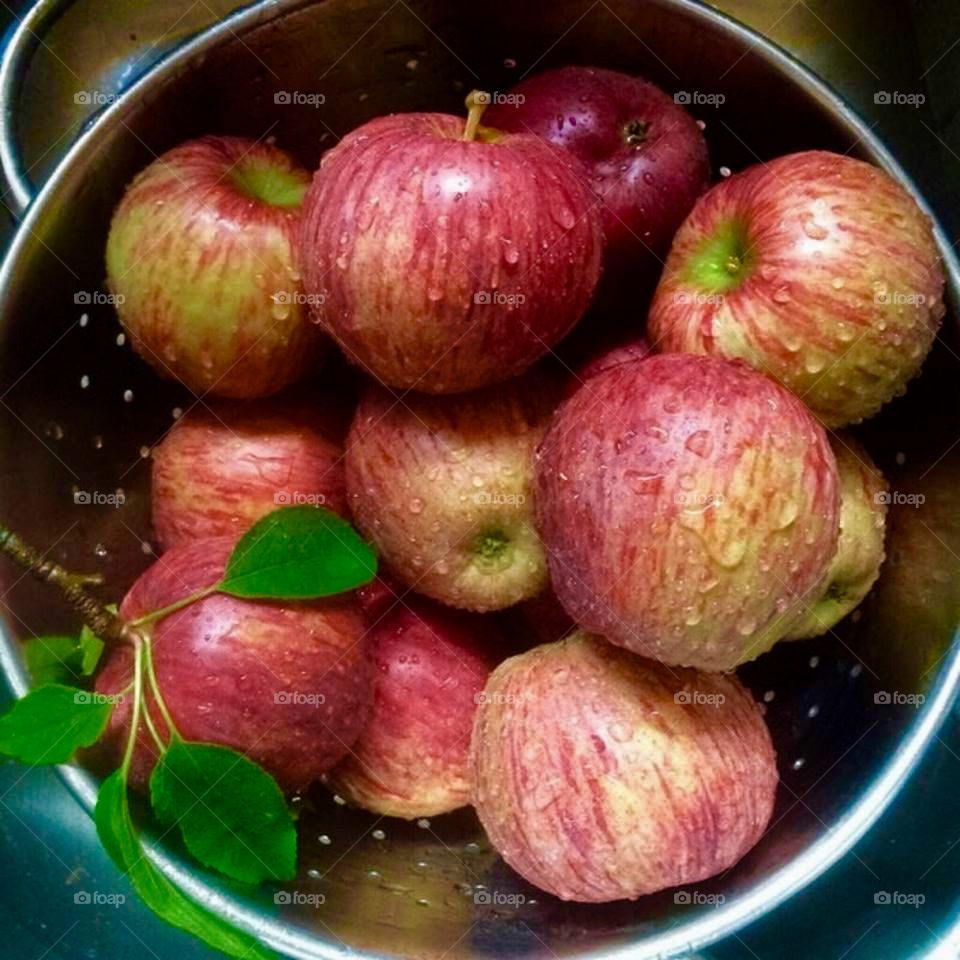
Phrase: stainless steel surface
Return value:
(855, 753)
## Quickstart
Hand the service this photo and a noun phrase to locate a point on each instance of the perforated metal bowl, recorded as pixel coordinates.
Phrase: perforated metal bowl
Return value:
(79, 411)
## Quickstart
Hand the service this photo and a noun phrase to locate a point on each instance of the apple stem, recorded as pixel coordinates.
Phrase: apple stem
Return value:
(477, 101)
(635, 132)
(106, 625)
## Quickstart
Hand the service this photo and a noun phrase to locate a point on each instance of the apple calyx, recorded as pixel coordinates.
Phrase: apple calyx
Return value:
(723, 260)
(270, 186)
(635, 132)
(477, 102)
(490, 550)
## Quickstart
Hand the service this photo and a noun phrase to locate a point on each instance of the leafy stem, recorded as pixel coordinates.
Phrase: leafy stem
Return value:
(104, 623)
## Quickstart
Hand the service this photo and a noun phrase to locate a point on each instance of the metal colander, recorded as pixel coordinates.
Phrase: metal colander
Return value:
(850, 713)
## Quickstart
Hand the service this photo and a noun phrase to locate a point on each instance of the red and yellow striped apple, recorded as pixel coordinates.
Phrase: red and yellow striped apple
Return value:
(817, 269)
(201, 260)
(431, 666)
(602, 776)
(288, 684)
(689, 507)
(225, 465)
(860, 549)
(448, 256)
(443, 486)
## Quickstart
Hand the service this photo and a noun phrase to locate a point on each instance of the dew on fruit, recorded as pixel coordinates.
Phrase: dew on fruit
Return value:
(98, 442)
(798, 763)
(725, 172)
(781, 295)
(338, 800)
(84, 382)
(378, 834)
(700, 443)
(84, 319)
(100, 551)
(415, 505)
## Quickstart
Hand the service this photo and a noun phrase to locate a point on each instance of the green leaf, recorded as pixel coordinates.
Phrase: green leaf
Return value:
(299, 553)
(91, 648)
(61, 659)
(116, 831)
(53, 659)
(51, 723)
(231, 812)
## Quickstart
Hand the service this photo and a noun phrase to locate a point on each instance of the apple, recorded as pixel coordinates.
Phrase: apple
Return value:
(689, 507)
(431, 666)
(645, 157)
(541, 619)
(443, 487)
(606, 356)
(288, 684)
(447, 256)
(602, 776)
(860, 549)
(817, 269)
(224, 465)
(201, 262)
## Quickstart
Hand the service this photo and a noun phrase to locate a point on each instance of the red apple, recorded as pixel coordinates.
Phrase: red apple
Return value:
(608, 355)
(645, 156)
(447, 257)
(200, 258)
(689, 507)
(601, 776)
(541, 619)
(288, 684)
(443, 487)
(411, 759)
(818, 269)
(856, 565)
(225, 465)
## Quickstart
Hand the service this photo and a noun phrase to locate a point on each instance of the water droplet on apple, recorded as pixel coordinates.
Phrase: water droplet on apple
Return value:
(725, 172)
(645, 484)
(747, 626)
(511, 254)
(813, 229)
(700, 443)
(701, 125)
(781, 295)
(434, 294)
(416, 505)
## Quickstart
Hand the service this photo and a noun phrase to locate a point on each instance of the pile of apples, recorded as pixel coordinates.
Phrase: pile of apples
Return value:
(653, 519)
